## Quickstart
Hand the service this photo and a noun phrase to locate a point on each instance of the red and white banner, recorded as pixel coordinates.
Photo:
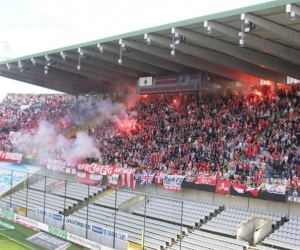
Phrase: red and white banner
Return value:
(95, 168)
(14, 137)
(223, 186)
(127, 178)
(208, 180)
(113, 180)
(159, 177)
(89, 179)
(57, 165)
(276, 189)
(173, 182)
(70, 170)
(10, 157)
(189, 176)
(242, 189)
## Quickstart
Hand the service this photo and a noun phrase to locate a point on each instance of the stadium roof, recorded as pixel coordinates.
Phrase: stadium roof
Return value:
(269, 50)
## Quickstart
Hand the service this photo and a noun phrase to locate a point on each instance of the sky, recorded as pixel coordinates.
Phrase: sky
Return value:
(32, 26)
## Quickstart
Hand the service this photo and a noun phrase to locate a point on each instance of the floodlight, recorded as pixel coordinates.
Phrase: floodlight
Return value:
(179, 39)
(249, 27)
(207, 27)
(100, 48)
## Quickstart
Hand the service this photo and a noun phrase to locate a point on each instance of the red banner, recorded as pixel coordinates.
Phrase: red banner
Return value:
(89, 179)
(99, 169)
(223, 187)
(208, 180)
(10, 157)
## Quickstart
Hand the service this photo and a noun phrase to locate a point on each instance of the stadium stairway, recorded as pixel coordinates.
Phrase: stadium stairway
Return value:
(84, 203)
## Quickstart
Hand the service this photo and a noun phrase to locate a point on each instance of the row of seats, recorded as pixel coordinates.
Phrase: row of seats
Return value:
(109, 199)
(227, 221)
(287, 236)
(78, 191)
(239, 217)
(202, 240)
(194, 213)
(43, 184)
(263, 247)
(31, 199)
(158, 234)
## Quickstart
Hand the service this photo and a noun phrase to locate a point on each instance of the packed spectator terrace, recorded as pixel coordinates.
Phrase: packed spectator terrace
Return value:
(246, 137)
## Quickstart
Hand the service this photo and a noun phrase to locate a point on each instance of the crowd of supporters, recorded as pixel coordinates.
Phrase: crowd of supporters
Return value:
(241, 135)
(245, 136)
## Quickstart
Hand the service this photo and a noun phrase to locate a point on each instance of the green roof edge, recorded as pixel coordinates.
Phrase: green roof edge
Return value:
(256, 7)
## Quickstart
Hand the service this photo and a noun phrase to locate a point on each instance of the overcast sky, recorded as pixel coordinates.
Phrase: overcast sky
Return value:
(32, 26)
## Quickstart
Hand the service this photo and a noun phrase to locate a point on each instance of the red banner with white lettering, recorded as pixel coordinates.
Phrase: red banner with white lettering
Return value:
(223, 187)
(10, 157)
(208, 180)
(95, 168)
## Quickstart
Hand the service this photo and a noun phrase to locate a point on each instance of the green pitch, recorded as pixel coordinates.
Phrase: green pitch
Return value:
(8, 244)
(15, 239)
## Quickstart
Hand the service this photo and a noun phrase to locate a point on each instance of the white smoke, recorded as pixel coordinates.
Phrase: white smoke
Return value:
(82, 147)
(46, 139)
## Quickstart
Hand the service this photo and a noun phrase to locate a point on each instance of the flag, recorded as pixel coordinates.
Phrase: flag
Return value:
(189, 176)
(173, 182)
(113, 180)
(253, 191)
(146, 177)
(127, 179)
(159, 177)
(242, 189)
(223, 186)
(238, 187)
(14, 137)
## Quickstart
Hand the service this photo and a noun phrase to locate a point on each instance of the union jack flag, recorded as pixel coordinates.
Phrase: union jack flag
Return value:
(147, 177)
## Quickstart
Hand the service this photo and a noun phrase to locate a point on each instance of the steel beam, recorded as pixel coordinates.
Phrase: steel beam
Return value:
(89, 68)
(113, 58)
(116, 68)
(285, 33)
(281, 51)
(83, 72)
(149, 59)
(263, 60)
(55, 76)
(71, 65)
(221, 59)
(194, 62)
(71, 77)
(45, 83)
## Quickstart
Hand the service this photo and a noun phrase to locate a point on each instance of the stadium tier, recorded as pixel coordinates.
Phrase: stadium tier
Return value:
(184, 147)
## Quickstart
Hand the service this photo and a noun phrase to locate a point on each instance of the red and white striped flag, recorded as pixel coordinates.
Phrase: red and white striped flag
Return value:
(159, 177)
(127, 179)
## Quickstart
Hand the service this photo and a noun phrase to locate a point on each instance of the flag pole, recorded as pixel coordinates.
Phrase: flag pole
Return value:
(181, 221)
(115, 216)
(143, 235)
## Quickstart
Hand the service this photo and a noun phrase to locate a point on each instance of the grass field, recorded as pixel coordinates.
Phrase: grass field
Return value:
(15, 239)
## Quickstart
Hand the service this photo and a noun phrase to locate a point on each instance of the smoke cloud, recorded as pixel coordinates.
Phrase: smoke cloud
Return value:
(49, 142)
